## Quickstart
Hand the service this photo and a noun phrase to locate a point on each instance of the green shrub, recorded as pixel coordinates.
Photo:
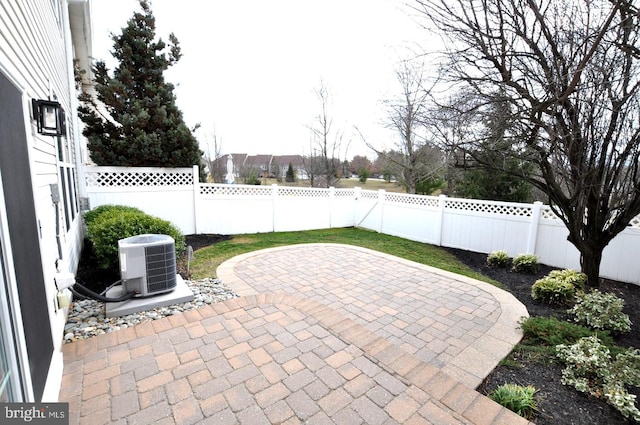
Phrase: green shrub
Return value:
(553, 291)
(90, 216)
(587, 364)
(626, 367)
(363, 175)
(559, 287)
(574, 277)
(549, 331)
(517, 398)
(601, 311)
(498, 259)
(590, 369)
(112, 224)
(525, 263)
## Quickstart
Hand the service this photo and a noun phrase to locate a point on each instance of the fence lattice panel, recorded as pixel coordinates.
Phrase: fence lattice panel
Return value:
(490, 208)
(138, 178)
(236, 190)
(419, 200)
(302, 192)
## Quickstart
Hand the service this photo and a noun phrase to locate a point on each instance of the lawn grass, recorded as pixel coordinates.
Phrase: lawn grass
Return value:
(207, 260)
(370, 184)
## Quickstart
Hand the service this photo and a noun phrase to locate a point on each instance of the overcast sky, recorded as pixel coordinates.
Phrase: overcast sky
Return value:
(249, 68)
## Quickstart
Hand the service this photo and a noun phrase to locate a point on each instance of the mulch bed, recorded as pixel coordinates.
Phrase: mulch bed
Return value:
(558, 404)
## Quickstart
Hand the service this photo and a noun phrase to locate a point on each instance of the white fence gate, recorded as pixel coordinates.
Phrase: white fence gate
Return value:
(175, 194)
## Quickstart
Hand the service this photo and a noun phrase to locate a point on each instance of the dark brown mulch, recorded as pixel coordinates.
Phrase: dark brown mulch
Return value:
(89, 272)
(200, 241)
(558, 404)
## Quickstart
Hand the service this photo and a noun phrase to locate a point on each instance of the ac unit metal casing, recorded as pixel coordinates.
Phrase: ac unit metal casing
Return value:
(147, 264)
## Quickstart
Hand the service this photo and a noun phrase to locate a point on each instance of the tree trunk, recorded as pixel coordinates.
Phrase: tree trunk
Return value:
(590, 258)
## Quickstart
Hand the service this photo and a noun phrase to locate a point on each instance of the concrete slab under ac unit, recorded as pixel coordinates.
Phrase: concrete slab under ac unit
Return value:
(180, 294)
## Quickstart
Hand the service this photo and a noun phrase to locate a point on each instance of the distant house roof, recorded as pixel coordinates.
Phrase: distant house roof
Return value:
(262, 161)
(238, 158)
(285, 160)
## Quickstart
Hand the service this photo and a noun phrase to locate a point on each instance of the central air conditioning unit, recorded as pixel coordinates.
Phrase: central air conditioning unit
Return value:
(147, 264)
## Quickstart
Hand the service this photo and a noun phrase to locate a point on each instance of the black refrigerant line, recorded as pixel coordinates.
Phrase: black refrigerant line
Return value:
(83, 292)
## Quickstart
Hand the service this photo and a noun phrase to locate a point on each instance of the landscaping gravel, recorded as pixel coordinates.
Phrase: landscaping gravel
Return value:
(87, 318)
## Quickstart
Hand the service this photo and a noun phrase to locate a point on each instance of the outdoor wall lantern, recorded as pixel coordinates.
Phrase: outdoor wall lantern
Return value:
(50, 117)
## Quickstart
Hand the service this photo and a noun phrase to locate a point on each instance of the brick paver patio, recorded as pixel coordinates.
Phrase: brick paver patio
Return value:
(322, 334)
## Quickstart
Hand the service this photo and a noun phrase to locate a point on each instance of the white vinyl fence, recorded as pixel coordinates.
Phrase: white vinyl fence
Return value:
(175, 194)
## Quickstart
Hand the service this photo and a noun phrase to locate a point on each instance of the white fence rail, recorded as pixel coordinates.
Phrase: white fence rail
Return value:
(475, 225)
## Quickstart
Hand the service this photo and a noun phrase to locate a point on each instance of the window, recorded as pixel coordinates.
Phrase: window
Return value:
(68, 180)
(10, 384)
(56, 5)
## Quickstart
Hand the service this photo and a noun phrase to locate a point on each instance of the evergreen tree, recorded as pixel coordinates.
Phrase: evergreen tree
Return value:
(494, 185)
(506, 181)
(363, 175)
(143, 127)
(291, 175)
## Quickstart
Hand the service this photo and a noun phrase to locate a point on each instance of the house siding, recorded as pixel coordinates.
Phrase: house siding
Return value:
(36, 54)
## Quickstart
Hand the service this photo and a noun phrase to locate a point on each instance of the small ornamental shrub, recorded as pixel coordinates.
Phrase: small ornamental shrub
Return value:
(618, 397)
(112, 224)
(517, 398)
(525, 263)
(601, 311)
(587, 364)
(549, 331)
(590, 369)
(553, 291)
(626, 368)
(576, 278)
(498, 259)
(559, 287)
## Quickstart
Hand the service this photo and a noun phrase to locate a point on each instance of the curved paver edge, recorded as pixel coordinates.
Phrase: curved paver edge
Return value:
(476, 361)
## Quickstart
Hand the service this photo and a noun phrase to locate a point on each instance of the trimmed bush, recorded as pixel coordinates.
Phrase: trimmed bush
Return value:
(559, 287)
(517, 398)
(498, 259)
(111, 224)
(601, 311)
(90, 216)
(525, 263)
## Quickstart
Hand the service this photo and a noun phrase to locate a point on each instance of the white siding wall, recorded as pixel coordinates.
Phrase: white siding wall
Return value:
(35, 54)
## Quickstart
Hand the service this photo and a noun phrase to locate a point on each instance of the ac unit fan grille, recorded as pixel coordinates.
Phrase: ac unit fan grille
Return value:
(161, 267)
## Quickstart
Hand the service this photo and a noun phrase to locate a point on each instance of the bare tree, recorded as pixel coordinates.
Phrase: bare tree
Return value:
(211, 156)
(359, 163)
(249, 174)
(418, 160)
(313, 165)
(275, 171)
(326, 142)
(448, 131)
(569, 72)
